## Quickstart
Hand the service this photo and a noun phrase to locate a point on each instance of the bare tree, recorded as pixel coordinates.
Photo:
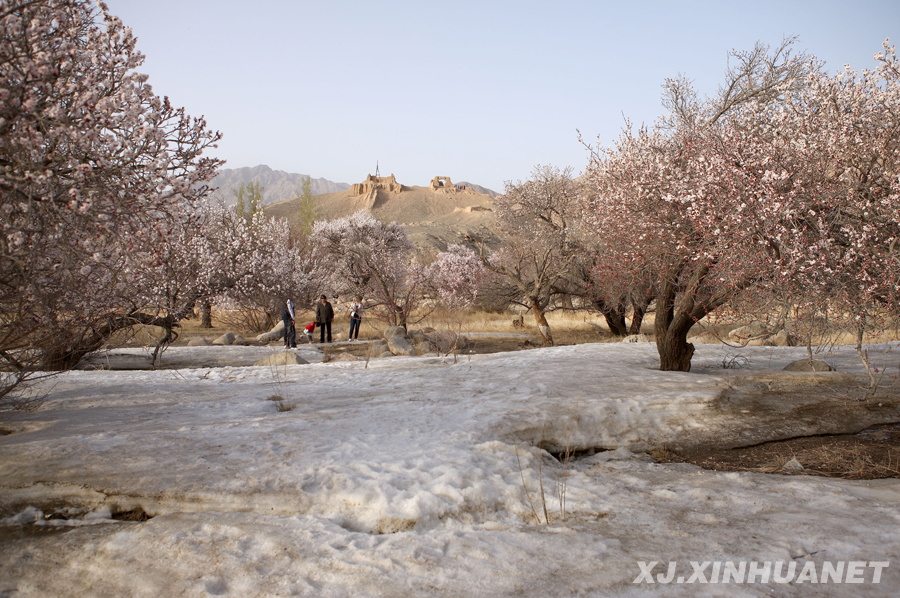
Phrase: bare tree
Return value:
(535, 219)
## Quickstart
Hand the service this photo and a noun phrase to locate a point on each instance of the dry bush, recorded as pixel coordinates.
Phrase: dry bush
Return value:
(249, 317)
(280, 405)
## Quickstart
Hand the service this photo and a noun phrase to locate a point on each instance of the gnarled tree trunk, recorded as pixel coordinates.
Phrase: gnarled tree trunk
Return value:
(206, 315)
(541, 321)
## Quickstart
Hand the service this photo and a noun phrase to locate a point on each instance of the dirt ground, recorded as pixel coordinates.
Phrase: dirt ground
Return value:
(871, 454)
(796, 402)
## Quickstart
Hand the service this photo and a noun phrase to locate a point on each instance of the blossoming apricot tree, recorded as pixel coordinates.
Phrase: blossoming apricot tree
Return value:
(796, 189)
(96, 171)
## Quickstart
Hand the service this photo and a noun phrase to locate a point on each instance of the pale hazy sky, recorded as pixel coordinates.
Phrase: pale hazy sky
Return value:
(475, 90)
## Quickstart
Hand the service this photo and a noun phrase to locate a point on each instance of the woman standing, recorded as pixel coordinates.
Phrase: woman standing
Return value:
(356, 310)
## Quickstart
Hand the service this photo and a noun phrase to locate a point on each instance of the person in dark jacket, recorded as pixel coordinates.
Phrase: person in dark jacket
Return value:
(324, 316)
(290, 331)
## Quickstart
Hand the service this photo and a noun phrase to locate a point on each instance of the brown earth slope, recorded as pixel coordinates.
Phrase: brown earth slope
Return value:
(433, 219)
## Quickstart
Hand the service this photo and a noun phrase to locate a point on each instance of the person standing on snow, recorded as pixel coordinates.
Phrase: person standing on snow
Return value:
(324, 316)
(290, 332)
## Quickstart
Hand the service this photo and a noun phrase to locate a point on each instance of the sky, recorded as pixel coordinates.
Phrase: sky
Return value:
(481, 91)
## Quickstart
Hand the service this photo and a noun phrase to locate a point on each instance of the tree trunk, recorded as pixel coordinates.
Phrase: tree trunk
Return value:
(67, 354)
(674, 351)
(616, 323)
(671, 327)
(206, 315)
(637, 318)
(615, 317)
(541, 321)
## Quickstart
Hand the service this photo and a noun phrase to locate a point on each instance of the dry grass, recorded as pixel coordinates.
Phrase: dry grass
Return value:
(280, 405)
(870, 454)
(568, 328)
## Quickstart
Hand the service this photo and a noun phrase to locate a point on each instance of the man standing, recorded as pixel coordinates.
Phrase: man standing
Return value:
(324, 316)
(290, 332)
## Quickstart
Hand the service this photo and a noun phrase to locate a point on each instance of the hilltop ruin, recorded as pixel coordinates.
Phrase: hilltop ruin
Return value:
(373, 183)
(443, 184)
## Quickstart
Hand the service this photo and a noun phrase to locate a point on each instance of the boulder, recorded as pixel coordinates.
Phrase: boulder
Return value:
(752, 331)
(199, 342)
(385, 353)
(805, 365)
(417, 336)
(392, 331)
(444, 340)
(273, 335)
(398, 341)
(225, 339)
(781, 339)
(424, 347)
(637, 338)
(705, 338)
(282, 358)
(399, 345)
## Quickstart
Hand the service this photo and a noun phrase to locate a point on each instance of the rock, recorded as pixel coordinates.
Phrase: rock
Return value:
(792, 465)
(781, 339)
(225, 339)
(398, 341)
(754, 331)
(385, 353)
(444, 340)
(805, 365)
(705, 338)
(417, 337)
(392, 331)
(637, 338)
(282, 358)
(199, 342)
(398, 345)
(273, 335)
(424, 347)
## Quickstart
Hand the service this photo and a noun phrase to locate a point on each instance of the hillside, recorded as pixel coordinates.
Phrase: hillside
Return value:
(278, 184)
(432, 219)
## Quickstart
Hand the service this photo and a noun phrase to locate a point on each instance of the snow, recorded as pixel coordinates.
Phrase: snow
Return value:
(408, 478)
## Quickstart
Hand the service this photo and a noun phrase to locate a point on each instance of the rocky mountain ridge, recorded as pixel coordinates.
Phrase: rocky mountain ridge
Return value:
(278, 185)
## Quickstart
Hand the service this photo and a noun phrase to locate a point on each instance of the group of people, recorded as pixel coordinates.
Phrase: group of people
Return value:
(324, 317)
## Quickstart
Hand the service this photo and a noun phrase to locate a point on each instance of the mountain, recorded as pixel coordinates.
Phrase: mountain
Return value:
(479, 189)
(278, 185)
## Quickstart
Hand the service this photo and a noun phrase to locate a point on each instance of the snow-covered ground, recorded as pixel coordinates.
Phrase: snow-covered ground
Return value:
(416, 477)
